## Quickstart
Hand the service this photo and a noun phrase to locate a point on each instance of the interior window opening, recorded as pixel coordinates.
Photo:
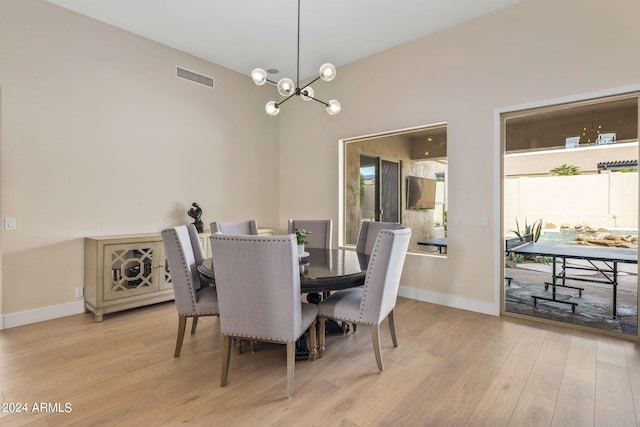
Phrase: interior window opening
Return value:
(398, 176)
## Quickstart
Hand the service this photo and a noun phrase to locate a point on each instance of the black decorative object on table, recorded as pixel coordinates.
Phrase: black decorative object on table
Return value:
(196, 213)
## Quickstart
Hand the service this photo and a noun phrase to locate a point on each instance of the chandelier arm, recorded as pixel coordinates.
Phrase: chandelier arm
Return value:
(272, 82)
(286, 99)
(310, 83)
(317, 100)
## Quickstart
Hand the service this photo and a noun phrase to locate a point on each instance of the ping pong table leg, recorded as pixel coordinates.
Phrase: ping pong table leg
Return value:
(615, 288)
(554, 285)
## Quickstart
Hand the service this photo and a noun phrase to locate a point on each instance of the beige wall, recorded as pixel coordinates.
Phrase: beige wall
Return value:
(98, 137)
(526, 53)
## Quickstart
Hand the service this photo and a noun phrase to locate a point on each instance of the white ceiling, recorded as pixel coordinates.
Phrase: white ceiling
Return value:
(245, 34)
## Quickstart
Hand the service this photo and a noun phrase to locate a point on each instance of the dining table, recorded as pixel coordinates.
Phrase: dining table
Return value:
(321, 271)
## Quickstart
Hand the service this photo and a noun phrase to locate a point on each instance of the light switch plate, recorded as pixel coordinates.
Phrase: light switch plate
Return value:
(10, 224)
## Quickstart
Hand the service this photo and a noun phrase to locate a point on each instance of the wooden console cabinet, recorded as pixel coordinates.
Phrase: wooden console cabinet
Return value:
(128, 271)
(123, 272)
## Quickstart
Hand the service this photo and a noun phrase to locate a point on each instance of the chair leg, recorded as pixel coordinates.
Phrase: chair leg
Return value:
(313, 331)
(182, 325)
(291, 363)
(392, 328)
(375, 337)
(226, 356)
(321, 336)
(194, 324)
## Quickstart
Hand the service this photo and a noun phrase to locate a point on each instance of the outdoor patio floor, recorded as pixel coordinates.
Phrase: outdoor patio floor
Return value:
(594, 308)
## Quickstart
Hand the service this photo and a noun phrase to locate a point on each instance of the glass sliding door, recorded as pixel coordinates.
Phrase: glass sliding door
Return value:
(390, 191)
(369, 188)
(571, 183)
(379, 189)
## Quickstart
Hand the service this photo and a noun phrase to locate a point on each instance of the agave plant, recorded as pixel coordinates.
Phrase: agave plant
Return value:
(534, 229)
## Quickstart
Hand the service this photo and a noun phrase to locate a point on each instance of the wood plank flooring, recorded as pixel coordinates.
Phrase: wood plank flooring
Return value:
(452, 368)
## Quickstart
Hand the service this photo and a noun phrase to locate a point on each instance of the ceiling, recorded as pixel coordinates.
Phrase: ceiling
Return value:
(245, 34)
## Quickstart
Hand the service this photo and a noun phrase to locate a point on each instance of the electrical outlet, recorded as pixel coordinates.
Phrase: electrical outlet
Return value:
(456, 288)
(79, 292)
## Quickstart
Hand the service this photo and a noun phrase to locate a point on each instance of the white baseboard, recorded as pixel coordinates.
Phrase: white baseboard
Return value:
(53, 312)
(450, 300)
(41, 314)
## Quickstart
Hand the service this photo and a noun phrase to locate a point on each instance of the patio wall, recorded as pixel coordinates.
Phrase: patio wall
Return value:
(607, 200)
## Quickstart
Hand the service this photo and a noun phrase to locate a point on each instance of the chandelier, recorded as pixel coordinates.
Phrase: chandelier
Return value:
(287, 88)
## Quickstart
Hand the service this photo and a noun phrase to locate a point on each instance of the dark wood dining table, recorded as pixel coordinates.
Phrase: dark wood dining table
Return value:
(323, 270)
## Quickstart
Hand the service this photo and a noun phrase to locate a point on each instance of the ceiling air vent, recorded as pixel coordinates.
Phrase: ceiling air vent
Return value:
(195, 77)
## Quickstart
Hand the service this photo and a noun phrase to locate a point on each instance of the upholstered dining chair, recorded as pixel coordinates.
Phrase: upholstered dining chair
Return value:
(184, 252)
(368, 233)
(319, 231)
(372, 303)
(249, 227)
(258, 282)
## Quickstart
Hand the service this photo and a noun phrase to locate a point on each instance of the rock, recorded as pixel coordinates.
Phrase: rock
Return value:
(612, 237)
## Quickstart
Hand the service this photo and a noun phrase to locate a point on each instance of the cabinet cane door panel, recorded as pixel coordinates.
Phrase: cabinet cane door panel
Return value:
(132, 269)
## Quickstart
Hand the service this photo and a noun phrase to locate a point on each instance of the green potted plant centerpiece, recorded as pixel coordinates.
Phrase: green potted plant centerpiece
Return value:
(301, 238)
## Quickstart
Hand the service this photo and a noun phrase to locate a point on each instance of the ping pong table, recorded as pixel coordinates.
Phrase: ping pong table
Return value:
(602, 261)
(440, 243)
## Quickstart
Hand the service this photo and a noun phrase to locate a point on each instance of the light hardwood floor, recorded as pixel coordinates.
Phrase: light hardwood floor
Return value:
(452, 368)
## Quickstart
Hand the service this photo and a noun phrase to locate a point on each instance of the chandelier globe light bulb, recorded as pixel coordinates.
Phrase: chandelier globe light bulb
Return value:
(307, 93)
(327, 72)
(286, 87)
(334, 107)
(259, 76)
(272, 108)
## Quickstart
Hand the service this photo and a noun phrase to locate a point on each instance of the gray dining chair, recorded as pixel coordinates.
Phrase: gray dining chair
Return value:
(319, 231)
(372, 303)
(368, 233)
(183, 250)
(366, 238)
(258, 282)
(249, 227)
